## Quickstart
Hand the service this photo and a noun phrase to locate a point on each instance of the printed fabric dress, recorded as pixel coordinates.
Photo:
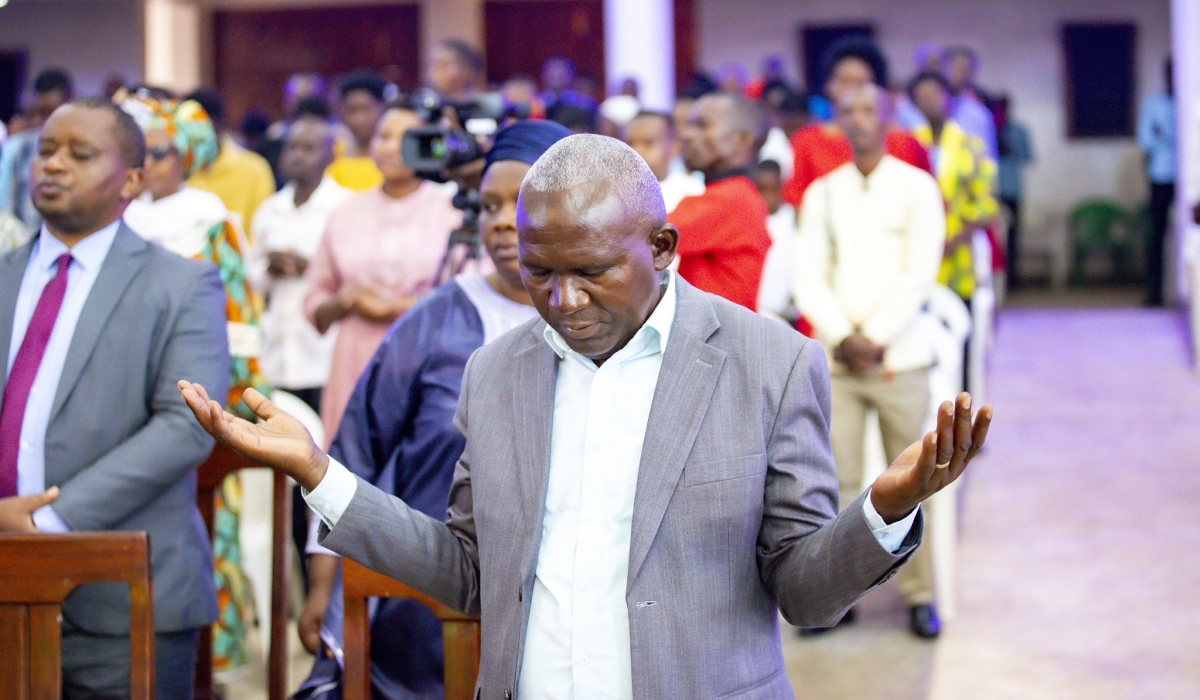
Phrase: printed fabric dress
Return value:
(966, 176)
(194, 224)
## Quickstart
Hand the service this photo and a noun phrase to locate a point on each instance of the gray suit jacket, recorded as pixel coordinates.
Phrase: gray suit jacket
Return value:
(121, 444)
(735, 512)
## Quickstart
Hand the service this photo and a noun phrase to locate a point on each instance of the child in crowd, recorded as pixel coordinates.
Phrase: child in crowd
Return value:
(774, 292)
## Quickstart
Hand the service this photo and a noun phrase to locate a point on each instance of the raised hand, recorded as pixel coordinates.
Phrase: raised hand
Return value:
(279, 441)
(931, 464)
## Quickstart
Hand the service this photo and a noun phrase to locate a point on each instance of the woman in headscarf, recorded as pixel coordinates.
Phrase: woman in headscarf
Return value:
(398, 430)
(180, 140)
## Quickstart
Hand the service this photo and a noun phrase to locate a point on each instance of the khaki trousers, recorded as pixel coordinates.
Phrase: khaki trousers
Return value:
(902, 403)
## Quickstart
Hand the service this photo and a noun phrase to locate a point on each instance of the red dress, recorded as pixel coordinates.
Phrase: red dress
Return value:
(821, 148)
(723, 239)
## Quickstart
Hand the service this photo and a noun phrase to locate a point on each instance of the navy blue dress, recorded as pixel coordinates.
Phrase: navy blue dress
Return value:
(398, 433)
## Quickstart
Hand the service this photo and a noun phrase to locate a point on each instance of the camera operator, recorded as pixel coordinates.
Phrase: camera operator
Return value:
(391, 428)
(454, 70)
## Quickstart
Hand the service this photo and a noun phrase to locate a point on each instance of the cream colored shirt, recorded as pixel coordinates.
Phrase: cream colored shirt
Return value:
(867, 257)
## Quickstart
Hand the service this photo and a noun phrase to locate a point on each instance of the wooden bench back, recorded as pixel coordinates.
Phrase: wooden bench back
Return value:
(221, 463)
(460, 634)
(39, 572)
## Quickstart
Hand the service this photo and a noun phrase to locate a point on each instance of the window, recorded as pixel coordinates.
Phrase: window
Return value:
(1099, 59)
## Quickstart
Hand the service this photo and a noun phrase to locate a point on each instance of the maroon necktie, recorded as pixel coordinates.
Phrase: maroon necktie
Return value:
(24, 369)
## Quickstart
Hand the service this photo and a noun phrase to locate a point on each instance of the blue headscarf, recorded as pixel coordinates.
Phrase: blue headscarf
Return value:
(525, 141)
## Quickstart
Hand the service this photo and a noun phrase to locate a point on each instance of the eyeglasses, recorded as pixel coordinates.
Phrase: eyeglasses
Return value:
(160, 152)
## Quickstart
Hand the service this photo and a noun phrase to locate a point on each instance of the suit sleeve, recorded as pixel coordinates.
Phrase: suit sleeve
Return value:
(171, 443)
(816, 562)
(440, 559)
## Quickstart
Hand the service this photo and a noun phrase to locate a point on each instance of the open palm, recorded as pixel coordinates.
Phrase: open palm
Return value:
(278, 440)
(933, 463)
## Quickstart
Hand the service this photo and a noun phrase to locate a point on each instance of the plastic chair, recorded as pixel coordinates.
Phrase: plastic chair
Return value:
(1104, 227)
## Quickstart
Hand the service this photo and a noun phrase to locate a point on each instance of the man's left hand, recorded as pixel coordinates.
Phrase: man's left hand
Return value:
(928, 466)
(16, 512)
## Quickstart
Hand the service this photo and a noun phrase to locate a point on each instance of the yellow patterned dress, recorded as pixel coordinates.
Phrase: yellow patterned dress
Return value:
(967, 178)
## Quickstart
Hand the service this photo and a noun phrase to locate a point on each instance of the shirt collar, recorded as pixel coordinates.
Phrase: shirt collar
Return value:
(88, 253)
(651, 337)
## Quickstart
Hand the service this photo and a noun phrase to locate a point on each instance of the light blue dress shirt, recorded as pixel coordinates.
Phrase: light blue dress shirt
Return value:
(86, 259)
(1156, 136)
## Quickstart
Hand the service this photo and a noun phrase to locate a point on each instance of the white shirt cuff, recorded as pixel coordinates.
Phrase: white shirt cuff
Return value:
(311, 546)
(332, 496)
(47, 520)
(890, 537)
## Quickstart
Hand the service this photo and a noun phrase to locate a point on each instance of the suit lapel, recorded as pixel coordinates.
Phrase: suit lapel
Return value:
(533, 409)
(12, 272)
(118, 270)
(686, 382)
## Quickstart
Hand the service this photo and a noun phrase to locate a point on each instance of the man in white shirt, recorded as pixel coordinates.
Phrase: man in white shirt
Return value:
(286, 231)
(871, 235)
(646, 481)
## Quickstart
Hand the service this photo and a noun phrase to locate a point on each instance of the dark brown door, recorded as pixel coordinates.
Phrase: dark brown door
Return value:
(257, 50)
(521, 35)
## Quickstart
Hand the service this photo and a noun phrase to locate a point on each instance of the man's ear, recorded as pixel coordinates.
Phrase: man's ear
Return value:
(663, 241)
(135, 182)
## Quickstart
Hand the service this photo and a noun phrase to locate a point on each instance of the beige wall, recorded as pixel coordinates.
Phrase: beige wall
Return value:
(1020, 50)
(90, 38)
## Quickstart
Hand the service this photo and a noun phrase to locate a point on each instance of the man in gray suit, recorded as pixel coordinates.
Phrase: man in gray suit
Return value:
(96, 325)
(647, 478)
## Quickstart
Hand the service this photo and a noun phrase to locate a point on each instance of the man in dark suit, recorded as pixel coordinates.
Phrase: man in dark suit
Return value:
(96, 325)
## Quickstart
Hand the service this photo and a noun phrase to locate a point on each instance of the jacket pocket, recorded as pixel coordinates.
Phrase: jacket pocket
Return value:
(724, 469)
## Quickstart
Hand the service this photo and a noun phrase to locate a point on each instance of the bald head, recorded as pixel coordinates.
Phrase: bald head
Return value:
(723, 132)
(593, 242)
(600, 177)
(863, 114)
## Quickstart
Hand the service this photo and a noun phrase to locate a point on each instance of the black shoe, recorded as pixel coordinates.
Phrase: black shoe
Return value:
(847, 619)
(924, 622)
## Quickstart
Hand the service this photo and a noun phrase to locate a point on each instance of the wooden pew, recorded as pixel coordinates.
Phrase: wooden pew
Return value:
(38, 573)
(460, 634)
(221, 463)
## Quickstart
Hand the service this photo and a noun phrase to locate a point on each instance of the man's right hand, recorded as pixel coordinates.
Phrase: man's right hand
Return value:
(279, 441)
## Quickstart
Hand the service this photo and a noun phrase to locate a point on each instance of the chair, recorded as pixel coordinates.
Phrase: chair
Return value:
(39, 572)
(221, 463)
(460, 634)
(1103, 227)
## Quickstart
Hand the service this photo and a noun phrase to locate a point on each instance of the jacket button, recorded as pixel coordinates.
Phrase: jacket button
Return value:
(508, 695)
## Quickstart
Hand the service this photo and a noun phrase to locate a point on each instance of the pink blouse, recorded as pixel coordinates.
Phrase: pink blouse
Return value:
(392, 246)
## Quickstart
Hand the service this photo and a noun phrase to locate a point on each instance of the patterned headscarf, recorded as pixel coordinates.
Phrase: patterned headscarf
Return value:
(187, 124)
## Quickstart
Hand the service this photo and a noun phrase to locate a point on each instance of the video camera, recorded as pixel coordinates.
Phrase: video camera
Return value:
(433, 150)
